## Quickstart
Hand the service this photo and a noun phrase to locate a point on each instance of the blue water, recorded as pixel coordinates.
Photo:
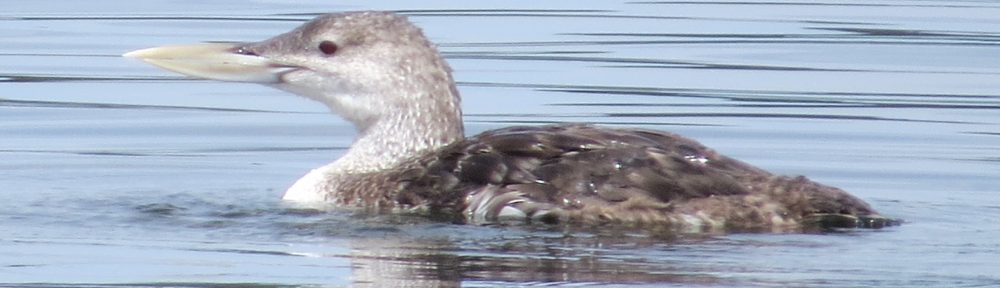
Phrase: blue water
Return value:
(113, 173)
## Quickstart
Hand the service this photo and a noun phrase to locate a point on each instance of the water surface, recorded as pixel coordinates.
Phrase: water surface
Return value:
(117, 174)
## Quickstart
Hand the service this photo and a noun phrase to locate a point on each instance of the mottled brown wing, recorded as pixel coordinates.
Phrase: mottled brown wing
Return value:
(534, 171)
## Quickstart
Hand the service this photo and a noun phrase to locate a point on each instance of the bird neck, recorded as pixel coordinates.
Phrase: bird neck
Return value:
(404, 130)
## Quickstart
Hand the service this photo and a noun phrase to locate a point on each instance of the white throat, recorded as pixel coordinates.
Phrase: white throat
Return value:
(401, 131)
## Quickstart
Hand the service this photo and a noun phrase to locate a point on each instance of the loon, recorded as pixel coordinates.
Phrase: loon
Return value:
(378, 71)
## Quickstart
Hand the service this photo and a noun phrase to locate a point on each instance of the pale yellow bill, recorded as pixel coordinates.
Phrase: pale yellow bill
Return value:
(216, 61)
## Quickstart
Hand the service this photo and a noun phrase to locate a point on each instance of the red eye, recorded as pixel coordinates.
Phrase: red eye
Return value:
(328, 47)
